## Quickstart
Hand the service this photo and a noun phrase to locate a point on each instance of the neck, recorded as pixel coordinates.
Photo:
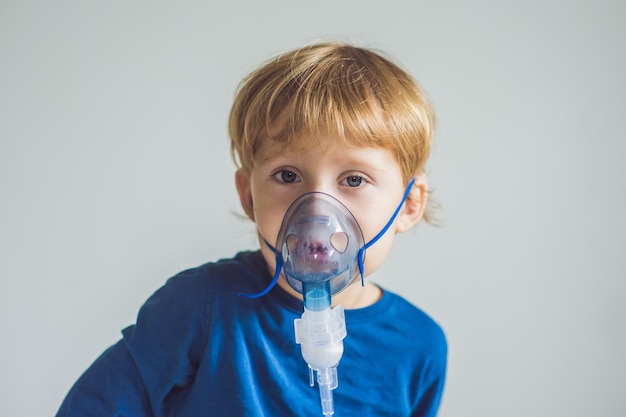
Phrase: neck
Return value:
(352, 297)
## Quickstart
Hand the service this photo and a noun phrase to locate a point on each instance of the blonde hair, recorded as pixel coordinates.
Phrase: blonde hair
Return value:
(350, 92)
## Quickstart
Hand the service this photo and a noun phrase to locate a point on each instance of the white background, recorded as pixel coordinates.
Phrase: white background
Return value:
(115, 175)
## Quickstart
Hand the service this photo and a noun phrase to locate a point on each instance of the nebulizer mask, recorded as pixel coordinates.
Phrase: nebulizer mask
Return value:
(320, 250)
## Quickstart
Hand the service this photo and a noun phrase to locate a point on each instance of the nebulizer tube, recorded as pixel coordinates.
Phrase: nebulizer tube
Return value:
(319, 243)
(320, 332)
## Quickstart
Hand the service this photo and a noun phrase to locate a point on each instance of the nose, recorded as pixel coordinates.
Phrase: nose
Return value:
(315, 206)
(321, 185)
(318, 178)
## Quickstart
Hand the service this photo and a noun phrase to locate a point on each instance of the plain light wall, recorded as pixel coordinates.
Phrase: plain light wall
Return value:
(115, 175)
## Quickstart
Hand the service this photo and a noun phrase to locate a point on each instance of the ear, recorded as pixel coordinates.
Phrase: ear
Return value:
(414, 206)
(242, 181)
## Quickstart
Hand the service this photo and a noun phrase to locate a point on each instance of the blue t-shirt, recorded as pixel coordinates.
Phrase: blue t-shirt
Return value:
(198, 349)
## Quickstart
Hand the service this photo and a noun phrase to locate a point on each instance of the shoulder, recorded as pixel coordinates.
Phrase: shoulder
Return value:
(190, 298)
(243, 263)
(193, 292)
(420, 328)
(421, 338)
(394, 321)
(401, 317)
(240, 271)
(414, 320)
(409, 348)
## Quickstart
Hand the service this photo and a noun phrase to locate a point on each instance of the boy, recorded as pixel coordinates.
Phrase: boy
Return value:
(329, 118)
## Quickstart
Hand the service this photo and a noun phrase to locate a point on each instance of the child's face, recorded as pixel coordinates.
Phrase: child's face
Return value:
(366, 180)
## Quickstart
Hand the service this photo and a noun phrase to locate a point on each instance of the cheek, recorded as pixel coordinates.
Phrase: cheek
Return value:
(269, 216)
(374, 219)
(268, 211)
(377, 253)
(372, 222)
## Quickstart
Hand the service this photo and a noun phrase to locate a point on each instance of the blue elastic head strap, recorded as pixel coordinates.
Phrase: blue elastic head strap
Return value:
(360, 256)
(279, 267)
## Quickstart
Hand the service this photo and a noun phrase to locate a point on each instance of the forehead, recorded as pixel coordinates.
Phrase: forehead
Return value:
(286, 134)
(271, 146)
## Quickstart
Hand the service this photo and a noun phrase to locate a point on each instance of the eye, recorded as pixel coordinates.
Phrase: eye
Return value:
(353, 181)
(286, 176)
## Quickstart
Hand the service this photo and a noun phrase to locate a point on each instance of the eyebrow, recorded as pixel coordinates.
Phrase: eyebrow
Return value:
(271, 157)
(277, 150)
(366, 165)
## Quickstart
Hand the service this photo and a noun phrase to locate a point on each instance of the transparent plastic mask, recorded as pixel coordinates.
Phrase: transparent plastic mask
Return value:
(319, 242)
